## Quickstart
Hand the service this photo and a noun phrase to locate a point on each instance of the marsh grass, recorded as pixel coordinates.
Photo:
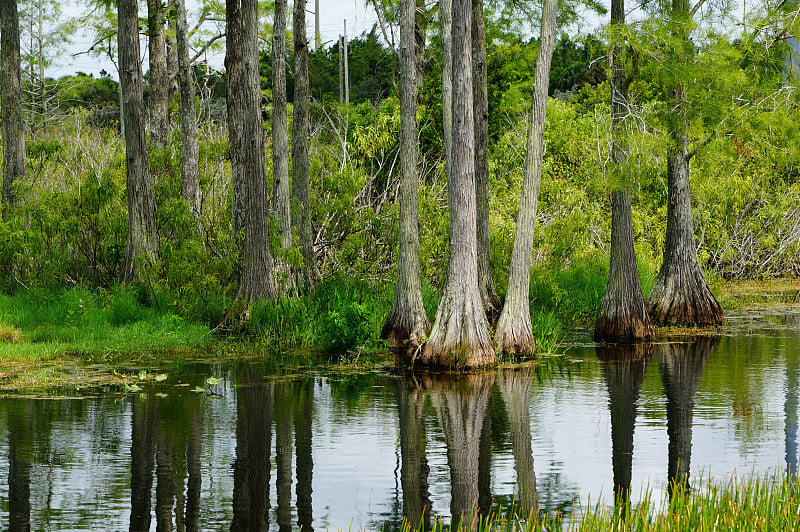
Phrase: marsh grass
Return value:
(43, 324)
(759, 502)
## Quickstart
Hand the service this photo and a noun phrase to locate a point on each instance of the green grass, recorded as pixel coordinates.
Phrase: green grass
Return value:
(50, 323)
(766, 502)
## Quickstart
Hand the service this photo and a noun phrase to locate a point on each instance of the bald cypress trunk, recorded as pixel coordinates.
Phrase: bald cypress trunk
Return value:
(514, 334)
(460, 335)
(190, 173)
(491, 303)
(623, 314)
(142, 233)
(446, 26)
(15, 166)
(680, 295)
(301, 216)
(407, 324)
(159, 77)
(244, 97)
(281, 195)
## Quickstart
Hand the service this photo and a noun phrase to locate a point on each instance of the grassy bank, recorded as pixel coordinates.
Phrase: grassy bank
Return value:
(766, 502)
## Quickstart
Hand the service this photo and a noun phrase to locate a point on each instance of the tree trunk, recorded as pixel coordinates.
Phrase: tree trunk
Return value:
(515, 387)
(623, 314)
(462, 405)
(142, 232)
(680, 295)
(460, 335)
(682, 364)
(190, 173)
(414, 463)
(308, 275)
(407, 324)
(15, 166)
(244, 95)
(623, 369)
(491, 303)
(159, 77)
(514, 334)
(234, 72)
(281, 195)
(446, 22)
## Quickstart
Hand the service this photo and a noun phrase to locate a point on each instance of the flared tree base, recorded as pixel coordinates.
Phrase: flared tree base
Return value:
(672, 303)
(406, 333)
(514, 340)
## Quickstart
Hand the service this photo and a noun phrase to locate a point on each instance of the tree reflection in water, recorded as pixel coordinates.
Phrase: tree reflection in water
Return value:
(414, 463)
(681, 365)
(515, 388)
(462, 404)
(623, 367)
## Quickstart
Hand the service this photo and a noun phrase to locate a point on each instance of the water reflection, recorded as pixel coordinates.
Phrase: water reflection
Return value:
(462, 404)
(623, 367)
(362, 451)
(681, 365)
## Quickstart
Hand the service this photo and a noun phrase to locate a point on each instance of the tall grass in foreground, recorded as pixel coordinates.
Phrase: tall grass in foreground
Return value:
(767, 502)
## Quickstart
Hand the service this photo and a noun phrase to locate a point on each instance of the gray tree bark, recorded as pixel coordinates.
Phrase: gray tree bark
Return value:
(244, 96)
(680, 295)
(514, 333)
(234, 73)
(301, 219)
(190, 173)
(407, 324)
(623, 314)
(446, 23)
(15, 166)
(491, 302)
(281, 194)
(142, 231)
(159, 77)
(460, 334)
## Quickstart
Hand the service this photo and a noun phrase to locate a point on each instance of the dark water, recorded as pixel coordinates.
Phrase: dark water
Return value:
(330, 451)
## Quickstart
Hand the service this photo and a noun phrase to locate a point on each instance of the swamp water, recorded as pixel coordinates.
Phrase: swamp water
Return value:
(261, 450)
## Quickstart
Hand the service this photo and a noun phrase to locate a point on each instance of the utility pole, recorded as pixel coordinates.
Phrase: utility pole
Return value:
(346, 69)
(341, 69)
(317, 38)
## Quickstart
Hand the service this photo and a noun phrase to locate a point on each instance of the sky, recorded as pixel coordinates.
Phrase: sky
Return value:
(333, 13)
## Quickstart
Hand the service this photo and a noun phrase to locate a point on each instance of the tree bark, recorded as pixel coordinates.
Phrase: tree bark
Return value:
(460, 335)
(244, 96)
(407, 324)
(142, 232)
(190, 173)
(623, 369)
(309, 274)
(623, 314)
(281, 195)
(491, 303)
(15, 166)
(446, 22)
(514, 333)
(159, 77)
(234, 71)
(680, 295)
